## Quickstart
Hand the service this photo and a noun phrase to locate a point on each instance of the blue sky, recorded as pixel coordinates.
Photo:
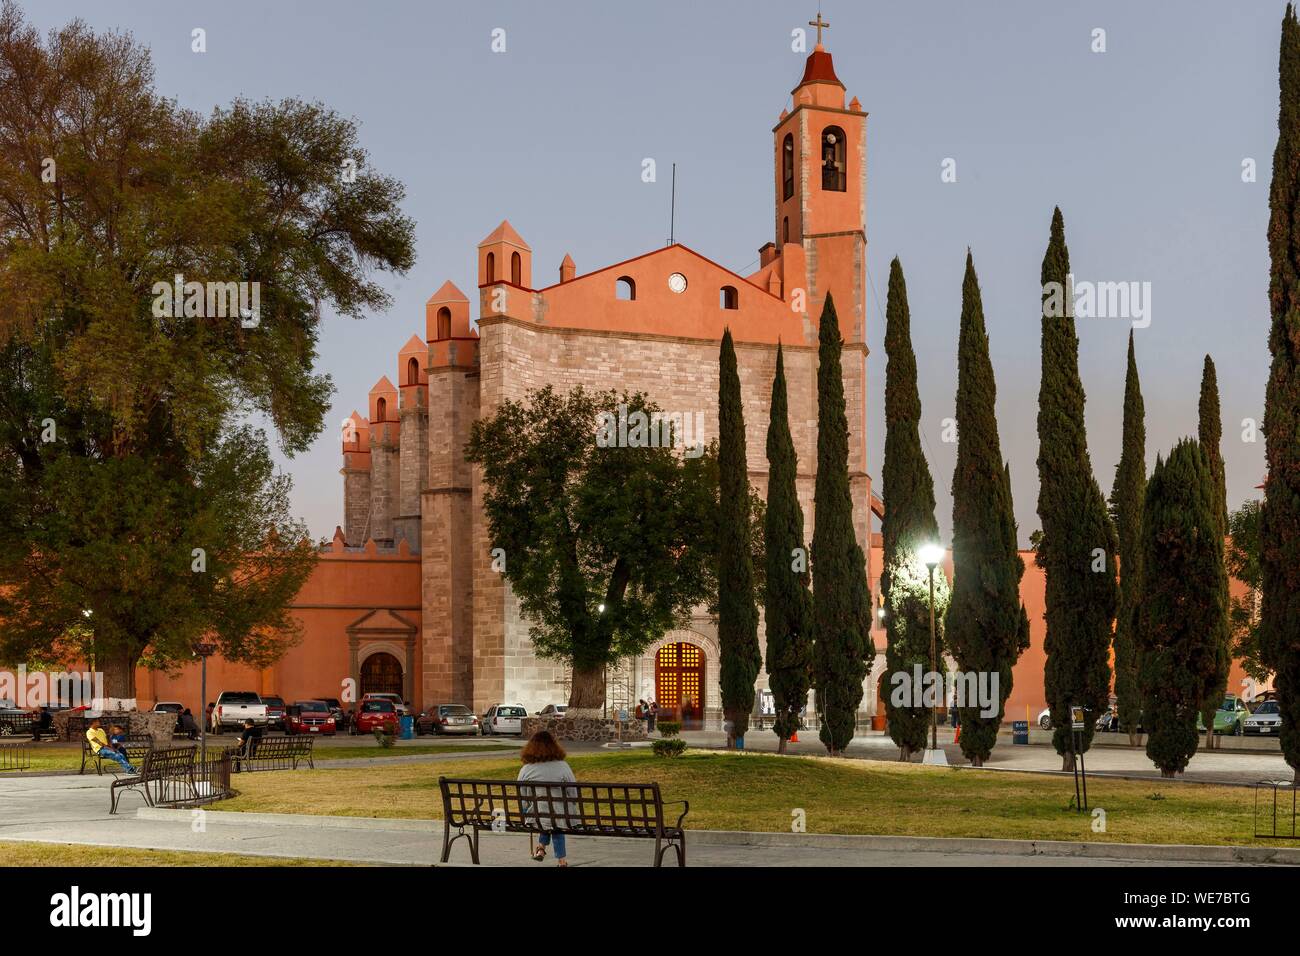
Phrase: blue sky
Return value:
(1141, 146)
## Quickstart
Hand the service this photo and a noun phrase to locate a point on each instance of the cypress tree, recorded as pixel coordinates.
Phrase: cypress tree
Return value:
(788, 603)
(1210, 433)
(1126, 506)
(1280, 516)
(737, 615)
(1178, 615)
(908, 523)
(843, 641)
(986, 625)
(1078, 544)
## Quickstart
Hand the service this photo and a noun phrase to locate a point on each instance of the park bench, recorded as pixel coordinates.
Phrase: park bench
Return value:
(166, 777)
(136, 749)
(273, 753)
(633, 810)
(15, 757)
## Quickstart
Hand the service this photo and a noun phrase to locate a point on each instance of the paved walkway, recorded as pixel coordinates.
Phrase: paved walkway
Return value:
(75, 810)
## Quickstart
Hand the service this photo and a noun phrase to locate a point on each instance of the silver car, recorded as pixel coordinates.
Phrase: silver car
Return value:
(1267, 719)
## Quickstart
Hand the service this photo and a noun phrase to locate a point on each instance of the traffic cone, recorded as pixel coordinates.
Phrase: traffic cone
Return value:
(794, 736)
(956, 738)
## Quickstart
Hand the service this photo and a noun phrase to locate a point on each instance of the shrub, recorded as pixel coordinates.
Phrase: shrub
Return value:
(669, 728)
(672, 747)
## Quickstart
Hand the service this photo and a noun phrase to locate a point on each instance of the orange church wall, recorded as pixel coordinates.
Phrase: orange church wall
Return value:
(343, 588)
(1027, 686)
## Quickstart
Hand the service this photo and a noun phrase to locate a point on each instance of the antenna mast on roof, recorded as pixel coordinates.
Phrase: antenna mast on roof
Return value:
(672, 209)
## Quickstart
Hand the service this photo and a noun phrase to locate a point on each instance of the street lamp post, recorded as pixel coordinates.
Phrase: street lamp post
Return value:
(931, 555)
(204, 651)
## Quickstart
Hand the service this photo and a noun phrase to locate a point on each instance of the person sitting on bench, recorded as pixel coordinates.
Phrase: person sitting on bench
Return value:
(247, 739)
(99, 746)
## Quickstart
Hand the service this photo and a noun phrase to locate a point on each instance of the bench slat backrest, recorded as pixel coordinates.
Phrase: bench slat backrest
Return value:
(566, 806)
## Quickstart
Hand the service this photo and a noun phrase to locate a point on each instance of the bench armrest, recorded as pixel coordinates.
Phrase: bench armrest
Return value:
(686, 808)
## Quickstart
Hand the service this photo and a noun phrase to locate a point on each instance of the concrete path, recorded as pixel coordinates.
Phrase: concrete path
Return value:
(75, 810)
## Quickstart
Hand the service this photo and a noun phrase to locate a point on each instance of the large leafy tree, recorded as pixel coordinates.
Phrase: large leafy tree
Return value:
(130, 488)
(1210, 436)
(737, 612)
(986, 625)
(841, 606)
(607, 545)
(1078, 544)
(1280, 519)
(1126, 498)
(787, 615)
(909, 523)
(1179, 625)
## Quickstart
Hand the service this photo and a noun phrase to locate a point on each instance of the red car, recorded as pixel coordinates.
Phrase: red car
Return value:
(309, 717)
(373, 714)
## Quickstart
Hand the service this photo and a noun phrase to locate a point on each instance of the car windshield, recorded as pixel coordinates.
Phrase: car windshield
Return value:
(273, 701)
(1268, 707)
(378, 707)
(454, 710)
(311, 705)
(173, 708)
(510, 712)
(238, 697)
(1229, 704)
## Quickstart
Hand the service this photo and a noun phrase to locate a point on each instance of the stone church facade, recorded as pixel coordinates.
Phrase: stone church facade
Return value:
(650, 324)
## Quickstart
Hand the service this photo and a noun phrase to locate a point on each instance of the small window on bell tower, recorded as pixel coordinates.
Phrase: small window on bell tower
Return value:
(833, 168)
(787, 167)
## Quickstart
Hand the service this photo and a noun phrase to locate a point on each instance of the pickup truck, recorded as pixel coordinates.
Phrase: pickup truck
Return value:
(236, 706)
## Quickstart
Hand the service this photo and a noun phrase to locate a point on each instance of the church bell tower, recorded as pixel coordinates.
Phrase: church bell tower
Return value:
(820, 149)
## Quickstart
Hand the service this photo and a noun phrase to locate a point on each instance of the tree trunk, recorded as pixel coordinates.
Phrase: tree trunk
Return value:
(780, 745)
(977, 761)
(118, 667)
(905, 754)
(588, 689)
(1067, 761)
(1132, 738)
(1167, 773)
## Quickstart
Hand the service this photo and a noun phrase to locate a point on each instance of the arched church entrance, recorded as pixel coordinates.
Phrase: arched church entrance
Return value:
(381, 674)
(679, 682)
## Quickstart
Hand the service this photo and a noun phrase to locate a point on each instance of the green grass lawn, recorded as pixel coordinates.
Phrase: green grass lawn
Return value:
(17, 853)
(47, 756)
(761, 792)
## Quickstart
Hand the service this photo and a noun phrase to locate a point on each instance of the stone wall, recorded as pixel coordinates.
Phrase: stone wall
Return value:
(71, 725)
(585, 728)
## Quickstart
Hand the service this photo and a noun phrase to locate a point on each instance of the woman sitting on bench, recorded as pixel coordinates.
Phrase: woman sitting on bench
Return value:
(544, 762)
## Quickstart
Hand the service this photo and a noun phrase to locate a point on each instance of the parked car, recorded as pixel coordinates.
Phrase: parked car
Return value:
(309, 717)
(1267, 719)
(14, 721)
(374, 714)
(233, 707)
(274, 713)
(553, 710)
(400, 705)
(1045, 718)
(336, 708)
(1230, 718)
(446, 719)
(502, 719)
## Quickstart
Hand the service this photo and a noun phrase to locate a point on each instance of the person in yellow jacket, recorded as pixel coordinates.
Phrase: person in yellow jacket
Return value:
(99, 745)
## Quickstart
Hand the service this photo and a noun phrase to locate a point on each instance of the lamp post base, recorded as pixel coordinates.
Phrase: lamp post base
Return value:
(935, 758)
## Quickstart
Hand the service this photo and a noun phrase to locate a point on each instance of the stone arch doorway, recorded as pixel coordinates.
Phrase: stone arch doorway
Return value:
(680, 682)
(381, 673)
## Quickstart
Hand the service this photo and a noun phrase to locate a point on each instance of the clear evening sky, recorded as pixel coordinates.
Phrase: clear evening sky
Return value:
(1141, 146)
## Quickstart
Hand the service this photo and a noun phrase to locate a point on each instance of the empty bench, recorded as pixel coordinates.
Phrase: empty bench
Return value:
(166, 776)
(634, 810)
(137, 747)
(273, 753)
